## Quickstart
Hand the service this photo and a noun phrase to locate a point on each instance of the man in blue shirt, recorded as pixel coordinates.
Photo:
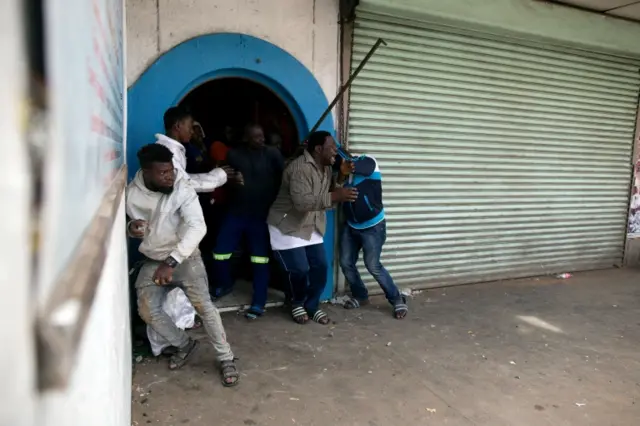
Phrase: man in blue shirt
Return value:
(366, 230)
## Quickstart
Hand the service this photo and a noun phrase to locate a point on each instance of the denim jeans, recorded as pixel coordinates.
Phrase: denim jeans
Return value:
(306, 271)
(191, 276)
(370, 240)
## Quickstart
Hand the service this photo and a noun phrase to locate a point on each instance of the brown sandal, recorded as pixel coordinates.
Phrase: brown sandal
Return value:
(230, 375)
(179, 359)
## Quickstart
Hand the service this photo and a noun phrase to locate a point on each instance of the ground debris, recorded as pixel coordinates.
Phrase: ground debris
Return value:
(339, 300)
(409, 292)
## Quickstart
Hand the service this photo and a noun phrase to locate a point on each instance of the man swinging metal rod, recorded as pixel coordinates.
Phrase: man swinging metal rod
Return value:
(345, 87)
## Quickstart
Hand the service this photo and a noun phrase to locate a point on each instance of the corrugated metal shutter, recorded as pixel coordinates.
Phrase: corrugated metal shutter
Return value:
(500, 158)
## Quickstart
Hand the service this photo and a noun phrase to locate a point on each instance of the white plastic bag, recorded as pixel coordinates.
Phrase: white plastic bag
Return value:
(182, 313)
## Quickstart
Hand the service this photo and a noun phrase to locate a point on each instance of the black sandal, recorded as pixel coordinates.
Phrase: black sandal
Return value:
(321, 318)
(169, 351)
(400, 310)
(353, 303)
(179, 359)
(300, 315)
(229, 371)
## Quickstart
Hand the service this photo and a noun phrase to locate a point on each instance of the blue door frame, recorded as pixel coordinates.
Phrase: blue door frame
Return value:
(207, 57)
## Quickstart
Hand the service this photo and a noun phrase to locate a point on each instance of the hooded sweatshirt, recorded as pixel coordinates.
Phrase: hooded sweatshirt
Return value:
(201, 182)
(175, 224)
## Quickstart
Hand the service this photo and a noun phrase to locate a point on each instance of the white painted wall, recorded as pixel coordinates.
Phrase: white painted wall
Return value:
(17, 360)
(307, 29)
(99, 392)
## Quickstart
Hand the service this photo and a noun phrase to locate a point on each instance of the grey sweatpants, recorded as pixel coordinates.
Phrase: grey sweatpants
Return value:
(191, 276)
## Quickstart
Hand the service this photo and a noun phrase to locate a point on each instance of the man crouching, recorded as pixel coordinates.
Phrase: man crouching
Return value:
(165, 212)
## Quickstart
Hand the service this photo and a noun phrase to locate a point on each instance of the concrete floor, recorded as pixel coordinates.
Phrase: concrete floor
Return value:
(529, 352)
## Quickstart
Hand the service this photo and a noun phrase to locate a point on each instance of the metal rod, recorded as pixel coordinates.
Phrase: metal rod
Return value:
(344, 88)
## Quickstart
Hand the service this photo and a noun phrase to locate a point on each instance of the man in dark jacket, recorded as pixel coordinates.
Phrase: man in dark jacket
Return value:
(366, 230)
(259, 170)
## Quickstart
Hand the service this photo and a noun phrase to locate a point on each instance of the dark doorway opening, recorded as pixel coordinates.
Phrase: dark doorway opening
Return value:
(224, 107)
(236, 102)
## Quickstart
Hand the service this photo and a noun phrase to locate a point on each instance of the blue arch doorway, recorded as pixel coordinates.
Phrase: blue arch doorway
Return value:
(225, 55)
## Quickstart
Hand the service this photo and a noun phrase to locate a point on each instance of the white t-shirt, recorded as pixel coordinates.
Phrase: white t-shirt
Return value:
(279, 241)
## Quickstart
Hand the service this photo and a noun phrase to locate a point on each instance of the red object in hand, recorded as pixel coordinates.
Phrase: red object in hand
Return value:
(218, 154)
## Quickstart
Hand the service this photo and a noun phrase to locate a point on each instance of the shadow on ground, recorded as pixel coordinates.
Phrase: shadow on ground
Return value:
(530, 352)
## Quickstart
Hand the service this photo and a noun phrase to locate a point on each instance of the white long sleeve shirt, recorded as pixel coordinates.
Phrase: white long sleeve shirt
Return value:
(175, 224)
(201, 182)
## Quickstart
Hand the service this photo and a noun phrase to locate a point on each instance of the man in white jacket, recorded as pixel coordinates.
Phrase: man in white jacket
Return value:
(178, 125)
(165, 212)
(179, 130)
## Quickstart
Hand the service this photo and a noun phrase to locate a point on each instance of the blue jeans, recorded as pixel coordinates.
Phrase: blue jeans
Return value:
(232, 229)
(370, 240)
(306, 271)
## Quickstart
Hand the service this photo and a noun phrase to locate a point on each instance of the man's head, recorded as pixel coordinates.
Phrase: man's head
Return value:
(275, 140)
(323, 147)
(229, 134)
(253, 136)
(156, 162)
(198, 132)
(178, 124)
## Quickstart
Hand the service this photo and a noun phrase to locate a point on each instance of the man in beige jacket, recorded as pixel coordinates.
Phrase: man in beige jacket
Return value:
(297, 223)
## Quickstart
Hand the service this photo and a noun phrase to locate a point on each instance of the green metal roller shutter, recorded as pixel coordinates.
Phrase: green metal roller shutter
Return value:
(500, 158)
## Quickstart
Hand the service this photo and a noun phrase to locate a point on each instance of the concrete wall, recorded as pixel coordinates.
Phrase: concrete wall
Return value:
(99, 393)
(307, 29)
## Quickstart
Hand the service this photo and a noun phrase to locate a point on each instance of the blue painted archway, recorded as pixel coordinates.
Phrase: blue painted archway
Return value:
(207, 57)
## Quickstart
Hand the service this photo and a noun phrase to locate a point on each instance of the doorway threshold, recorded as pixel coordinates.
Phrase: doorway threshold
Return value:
(240, 298)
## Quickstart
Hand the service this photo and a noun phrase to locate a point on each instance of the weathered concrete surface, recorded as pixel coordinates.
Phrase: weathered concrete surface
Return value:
(307, 29)
(529, 352)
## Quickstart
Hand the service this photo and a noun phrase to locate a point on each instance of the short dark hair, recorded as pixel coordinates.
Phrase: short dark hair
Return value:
(317, 139)
(154, 153)
(250, 126)
(174, 115)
